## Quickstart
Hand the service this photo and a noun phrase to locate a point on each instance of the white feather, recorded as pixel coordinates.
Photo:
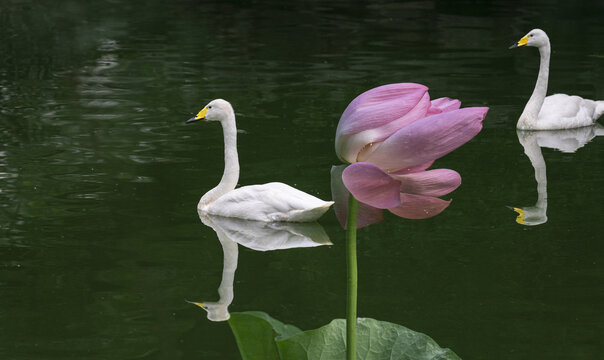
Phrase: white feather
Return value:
(268, 202)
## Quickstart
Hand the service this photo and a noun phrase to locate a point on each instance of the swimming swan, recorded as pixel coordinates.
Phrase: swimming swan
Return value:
(268, 202)
(558, 111)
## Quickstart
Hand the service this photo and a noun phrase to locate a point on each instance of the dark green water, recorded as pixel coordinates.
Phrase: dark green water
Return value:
(100, 241)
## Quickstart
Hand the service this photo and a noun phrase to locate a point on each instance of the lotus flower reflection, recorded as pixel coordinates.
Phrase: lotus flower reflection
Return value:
(391, 135)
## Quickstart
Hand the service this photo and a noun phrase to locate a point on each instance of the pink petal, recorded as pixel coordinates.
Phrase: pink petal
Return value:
(398, 99)
(428, 139)
(370, 185)
(412, 169)
(367, 215)
(378, 113)
(419, 206)
(443, 104)
(435, 182)
(375, 136)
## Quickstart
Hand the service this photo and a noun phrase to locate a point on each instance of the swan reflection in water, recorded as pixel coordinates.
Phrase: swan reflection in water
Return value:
(256, 235)
(568, 141)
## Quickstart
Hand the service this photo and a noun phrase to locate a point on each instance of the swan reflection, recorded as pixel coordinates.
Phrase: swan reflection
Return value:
(568, 141)
(256, 235)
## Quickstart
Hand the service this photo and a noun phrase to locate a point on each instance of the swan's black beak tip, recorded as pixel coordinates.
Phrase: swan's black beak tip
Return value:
(513, 46)
(192, 120)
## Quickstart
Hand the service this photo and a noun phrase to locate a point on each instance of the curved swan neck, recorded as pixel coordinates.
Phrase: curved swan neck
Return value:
(230, 175)
(533, 106)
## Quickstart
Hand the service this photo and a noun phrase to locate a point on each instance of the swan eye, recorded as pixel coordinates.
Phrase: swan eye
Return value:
(209, 107)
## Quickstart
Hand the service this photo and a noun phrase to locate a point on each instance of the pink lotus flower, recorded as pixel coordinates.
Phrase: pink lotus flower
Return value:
(391, 134)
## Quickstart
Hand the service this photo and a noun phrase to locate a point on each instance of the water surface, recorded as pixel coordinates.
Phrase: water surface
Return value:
(99, 177)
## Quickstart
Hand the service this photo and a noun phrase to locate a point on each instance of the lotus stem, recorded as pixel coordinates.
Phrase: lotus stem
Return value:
(351, 263)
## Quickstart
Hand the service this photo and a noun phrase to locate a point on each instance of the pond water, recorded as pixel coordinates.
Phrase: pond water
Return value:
(100, 241)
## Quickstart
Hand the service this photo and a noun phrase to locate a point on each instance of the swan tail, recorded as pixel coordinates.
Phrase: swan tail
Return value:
(599, 109)
(306, 215)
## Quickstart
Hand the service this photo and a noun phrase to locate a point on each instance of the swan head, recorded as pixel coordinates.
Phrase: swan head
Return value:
(536, 37)
(216, 110)
(216, 311)
(530, 216)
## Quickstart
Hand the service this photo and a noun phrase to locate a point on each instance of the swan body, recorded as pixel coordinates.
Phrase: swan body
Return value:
(268, 202)
(558, 111)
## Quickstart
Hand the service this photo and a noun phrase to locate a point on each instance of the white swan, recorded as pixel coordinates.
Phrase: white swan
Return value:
(268, 202)
(558, 111)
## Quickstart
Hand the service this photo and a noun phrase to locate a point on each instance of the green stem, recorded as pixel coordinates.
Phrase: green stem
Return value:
(351, 262)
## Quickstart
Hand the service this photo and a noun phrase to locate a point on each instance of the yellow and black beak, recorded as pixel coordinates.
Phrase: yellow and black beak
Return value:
(200, 116)
(520, 42)
(201, 305)
(521, 218)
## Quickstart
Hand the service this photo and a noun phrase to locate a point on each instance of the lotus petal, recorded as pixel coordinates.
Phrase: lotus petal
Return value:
(370, 185)
(412, 169)
(367, 215)
(378, 113)
(371, 139)
(435, 182)
(419, 206)
(443, 104)
(428, 139)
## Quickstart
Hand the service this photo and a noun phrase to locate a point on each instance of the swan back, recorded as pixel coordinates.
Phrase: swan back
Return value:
(599, 109)
(268, 202)
(562, 111)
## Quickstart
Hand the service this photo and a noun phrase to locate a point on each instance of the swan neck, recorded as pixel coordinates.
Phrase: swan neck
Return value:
(230, 176)
(533, 106)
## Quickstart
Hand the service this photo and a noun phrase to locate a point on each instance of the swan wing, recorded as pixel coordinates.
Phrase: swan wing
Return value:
(269, 202)
(561, 111)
